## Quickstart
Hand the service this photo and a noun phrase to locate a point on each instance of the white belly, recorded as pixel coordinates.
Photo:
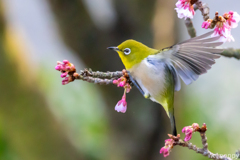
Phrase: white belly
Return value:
(150, 78)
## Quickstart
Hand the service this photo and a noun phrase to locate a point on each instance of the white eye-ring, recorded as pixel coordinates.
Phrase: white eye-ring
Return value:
(127, 51)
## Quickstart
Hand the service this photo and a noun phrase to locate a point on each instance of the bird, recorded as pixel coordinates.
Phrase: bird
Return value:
(157, 73)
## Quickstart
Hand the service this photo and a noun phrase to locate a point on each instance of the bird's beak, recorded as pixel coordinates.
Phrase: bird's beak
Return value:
(114, 48)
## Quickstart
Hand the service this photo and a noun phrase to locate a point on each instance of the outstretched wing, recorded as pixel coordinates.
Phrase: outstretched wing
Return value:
(190, 58)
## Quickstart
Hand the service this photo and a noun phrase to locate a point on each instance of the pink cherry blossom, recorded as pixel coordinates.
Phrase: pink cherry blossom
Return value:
(65, 61)
(188, 133)
(232, 18)
(64, 74)
(121, 106)
(222, 29)
(167, 148)
(65, 67)
(122, 84)
(168, 142)
(65, 81)
(165, 151)
(195, 126)
(189, 130)
(58, 67)
(185, 9)
(206, 24)
(115, 81)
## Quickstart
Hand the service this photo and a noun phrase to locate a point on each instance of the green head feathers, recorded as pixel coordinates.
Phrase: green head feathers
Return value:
(132, 52)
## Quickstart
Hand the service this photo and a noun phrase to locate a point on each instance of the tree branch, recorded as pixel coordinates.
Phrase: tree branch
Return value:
(203, 7)
(102, 78)
(231, 52)
(176, 141)
(190, 28)
(69, 74)
(98, 74)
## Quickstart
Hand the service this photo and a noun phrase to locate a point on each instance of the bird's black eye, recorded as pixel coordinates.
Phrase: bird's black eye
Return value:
(127, 51)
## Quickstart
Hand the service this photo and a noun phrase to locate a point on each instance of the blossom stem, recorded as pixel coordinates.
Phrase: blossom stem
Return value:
(124, 94)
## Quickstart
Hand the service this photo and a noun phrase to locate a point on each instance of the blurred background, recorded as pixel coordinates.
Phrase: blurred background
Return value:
(41, 119)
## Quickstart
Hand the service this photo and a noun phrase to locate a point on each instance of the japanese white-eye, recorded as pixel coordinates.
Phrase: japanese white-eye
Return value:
(157, 73)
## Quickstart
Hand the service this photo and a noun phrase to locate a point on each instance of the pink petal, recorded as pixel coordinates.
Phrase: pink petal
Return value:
(65, 61)
(185, 13)
(162, 150)
(203, 24)
(68, 68)
(65, 81)
(188, 137)
(195, 126)
(64, 74)
(121, 106)
(168, 142)
(165, 151)
(58, 67)
(122, 84)
(226, 36)
(235, 20)
(183, 130)
(188, 132)
(115, 81)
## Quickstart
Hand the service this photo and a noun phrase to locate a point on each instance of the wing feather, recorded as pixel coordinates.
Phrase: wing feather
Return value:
(191, 58)
(199, 37)
(197, 45)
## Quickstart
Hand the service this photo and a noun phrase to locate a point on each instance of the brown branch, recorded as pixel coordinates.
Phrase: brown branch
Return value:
(102, 78)
(190, 28)
(214, 21)
(95, 80)
(98, 74)
(203, 8)
(204, 150)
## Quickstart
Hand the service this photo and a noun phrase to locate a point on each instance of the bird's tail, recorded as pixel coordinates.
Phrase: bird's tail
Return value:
(173, 123)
